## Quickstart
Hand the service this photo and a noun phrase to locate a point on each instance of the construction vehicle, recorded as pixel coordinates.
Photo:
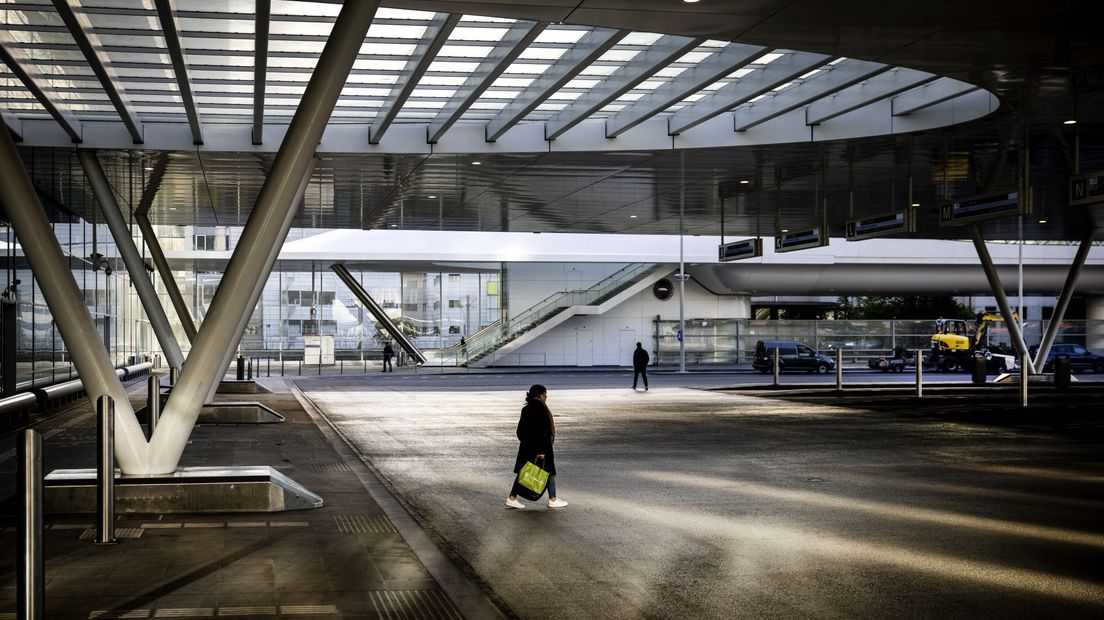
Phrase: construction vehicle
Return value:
(954, 345)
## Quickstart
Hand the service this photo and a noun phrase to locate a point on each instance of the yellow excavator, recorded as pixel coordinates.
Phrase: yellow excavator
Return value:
(954, 345)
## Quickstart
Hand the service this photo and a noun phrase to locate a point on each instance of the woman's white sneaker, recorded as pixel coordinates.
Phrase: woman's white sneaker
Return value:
(513, 503)
(557, 503)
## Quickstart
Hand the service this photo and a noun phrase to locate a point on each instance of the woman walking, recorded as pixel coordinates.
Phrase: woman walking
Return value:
(536, 431)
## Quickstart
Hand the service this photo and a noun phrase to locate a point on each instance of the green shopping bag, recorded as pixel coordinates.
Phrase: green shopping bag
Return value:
(532, 480)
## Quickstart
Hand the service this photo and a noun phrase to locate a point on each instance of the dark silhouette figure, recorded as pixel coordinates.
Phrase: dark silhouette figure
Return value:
(388, 353)
(536, 431)
(640, 365)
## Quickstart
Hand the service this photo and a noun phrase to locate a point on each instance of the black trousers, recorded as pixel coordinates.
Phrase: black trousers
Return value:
(387, 363)
(640, 372)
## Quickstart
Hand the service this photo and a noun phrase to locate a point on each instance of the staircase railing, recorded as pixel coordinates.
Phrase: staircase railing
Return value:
(496, 335)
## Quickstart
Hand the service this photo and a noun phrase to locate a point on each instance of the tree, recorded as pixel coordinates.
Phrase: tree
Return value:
(914, 307)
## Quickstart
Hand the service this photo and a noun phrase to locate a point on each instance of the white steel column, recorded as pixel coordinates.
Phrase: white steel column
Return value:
(1013, 325)
(1064, 296)
(135, 266)
(67, 304)
(264, 232)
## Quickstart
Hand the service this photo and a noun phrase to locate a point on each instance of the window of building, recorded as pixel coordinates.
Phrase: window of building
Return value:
(454, 303)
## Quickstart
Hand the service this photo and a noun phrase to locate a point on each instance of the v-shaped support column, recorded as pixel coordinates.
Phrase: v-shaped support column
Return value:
(1065, 294)
(1002, 300)
(135, 266)
(246, 273)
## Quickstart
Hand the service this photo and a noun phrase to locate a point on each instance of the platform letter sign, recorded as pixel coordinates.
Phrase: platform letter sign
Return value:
(800, 240)
(748, 248)
(881, 225)
(984, 207)
(1087, 189)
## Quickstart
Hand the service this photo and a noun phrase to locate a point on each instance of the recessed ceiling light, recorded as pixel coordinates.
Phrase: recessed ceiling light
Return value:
(477, 163)
(394, 226)
(744, 182)
(690, 1)
(431, 196)
(632, 217)
(1042, 221)
(1070, 122)
(916, 204)
(785, 230)
(149, 169)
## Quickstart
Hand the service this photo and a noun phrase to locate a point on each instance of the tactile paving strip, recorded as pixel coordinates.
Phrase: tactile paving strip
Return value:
(413, 605)
(364, 524)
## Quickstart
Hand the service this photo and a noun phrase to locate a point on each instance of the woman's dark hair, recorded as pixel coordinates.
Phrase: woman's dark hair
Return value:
(535, 391)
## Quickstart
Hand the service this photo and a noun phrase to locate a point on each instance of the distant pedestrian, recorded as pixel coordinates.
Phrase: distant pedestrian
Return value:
(940, 324)
(388, 353)
(536, 431)
(640, 365)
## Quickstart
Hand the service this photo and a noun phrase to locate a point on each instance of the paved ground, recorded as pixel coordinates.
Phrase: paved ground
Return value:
(688, 503)
(355, 558)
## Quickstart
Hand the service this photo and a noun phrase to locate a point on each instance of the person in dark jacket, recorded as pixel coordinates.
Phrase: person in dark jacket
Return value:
(388, 352)
(640, 365)
(536, 431)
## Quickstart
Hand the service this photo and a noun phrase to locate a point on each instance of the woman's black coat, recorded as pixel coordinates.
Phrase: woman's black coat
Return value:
(535, 433)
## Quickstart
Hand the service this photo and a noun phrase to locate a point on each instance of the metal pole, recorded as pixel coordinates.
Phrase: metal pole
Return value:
(777, 366)
(839, 370)
(1023, 379)
(919, 374)
(998, 291)
(153, 402)
(173, 373)
(132, 259)
(31, 579)
(66, 302)
(1064, 296)
(682, 266)
(105, 470)
(265, 230)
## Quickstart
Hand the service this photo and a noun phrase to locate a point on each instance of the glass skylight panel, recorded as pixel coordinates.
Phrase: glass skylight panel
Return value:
(766, 59)
(489, 105)
(386, 49)
(451, 66)
(837, 61)
(291, 7)
(582, 83)
(543, 53)
(754, 99)
(436, 93)
(464, 51)
(461, 33)
(809, 74)
(618, 55)
(640, 38)
(782, 87)
(512, 81)
(564, 96)
(693, 57)
(650, 84)
(713, 43)
(670, 72)
(365, 92)
(192, 44)
(560, 35)
(552, 106)
(501, 93)
(278, 27)
(527, 68)
(600, 70)
(380, 65)
(482, 18)
(739, 73)
(389, 13)
(392, 31)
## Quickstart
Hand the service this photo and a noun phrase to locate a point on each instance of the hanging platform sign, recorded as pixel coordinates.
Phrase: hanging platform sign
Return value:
(1087, 189)
(738, 250)
(983, 207)
(801, 240)
(881, 225)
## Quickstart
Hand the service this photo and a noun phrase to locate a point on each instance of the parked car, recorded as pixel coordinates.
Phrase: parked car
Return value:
(894, 362)
(791, 356)
(1081, 359)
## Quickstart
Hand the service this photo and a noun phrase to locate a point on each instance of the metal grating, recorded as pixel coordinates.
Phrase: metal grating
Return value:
(120, 532)
(413, 604)
(364, 524)
(328, 468)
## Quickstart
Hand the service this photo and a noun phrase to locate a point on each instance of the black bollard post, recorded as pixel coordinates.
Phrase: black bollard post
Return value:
(105, 470)
(31, 580)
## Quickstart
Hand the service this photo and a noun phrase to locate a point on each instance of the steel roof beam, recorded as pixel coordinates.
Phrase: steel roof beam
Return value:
(930, 94)
(18, 61)
(80, 27)
(838, 77)
(513, 43)
(170, 30)
(644, 65)
(588, 49)
(740, 91)
(873, 90)
(434, 37)
(260, 66)
(717, 65)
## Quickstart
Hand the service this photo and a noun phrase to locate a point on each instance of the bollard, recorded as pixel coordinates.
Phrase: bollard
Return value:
(1062, 372)
(105, 470)
(777, 366)
(173, 372)
(1023, 379)
(30, 582)
(342, 367)
(919, 374)
(268, 371)
(241, 368)
(249, 369)
(839, 370)
(980, 369)
(153, 403)
(300, 367)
